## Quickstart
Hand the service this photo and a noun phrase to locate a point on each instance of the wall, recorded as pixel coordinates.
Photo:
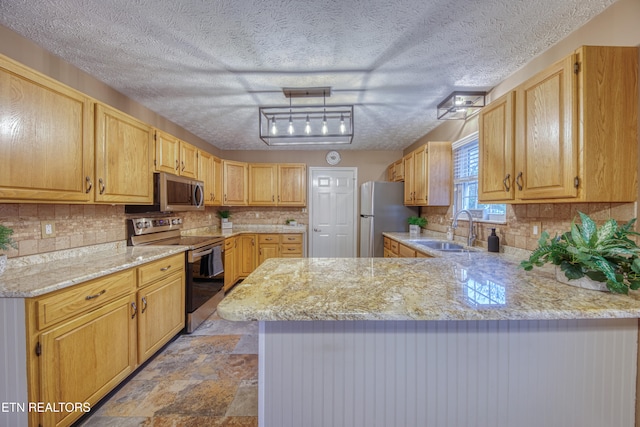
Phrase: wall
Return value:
(617, 25)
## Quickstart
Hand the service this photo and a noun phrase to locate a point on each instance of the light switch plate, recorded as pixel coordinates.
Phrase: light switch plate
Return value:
(536, 228)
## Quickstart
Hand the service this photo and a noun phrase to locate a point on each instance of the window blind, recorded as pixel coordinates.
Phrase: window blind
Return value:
(465, 162)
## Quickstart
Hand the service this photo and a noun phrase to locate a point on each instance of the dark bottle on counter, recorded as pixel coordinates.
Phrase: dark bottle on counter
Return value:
(493, 241)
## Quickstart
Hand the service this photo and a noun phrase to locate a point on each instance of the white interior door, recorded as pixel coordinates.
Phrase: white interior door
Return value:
(332, 212)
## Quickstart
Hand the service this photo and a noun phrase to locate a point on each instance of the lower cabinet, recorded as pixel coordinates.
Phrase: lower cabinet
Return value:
(231, 275)
(395, 249)
(88, 338)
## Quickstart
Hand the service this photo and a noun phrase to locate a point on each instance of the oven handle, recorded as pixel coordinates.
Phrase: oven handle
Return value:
(198, 255)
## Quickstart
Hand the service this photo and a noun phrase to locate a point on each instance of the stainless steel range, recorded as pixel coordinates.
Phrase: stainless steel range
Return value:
(203, 262)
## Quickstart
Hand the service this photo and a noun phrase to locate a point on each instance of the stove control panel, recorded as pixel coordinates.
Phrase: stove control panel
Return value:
(155, 225)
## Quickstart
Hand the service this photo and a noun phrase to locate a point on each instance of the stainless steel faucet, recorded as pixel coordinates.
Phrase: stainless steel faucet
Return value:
(472, 236)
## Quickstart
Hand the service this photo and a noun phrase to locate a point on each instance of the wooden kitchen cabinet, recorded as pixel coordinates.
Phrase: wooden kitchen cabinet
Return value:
(85, 339)
(427, 175)
(83, 349)
(161, 303)
(576, 132)
(395, 171)
(277, 184)
(123, 158)
(175, 156)
(247, 254)
(47, 148)
(231, 274)
(210, 172)
(235, 183)
(291, 245)
(268, 247)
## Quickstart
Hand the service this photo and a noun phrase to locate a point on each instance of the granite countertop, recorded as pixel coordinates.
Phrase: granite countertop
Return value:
(37, 275)
(242, 229)
(473, 285)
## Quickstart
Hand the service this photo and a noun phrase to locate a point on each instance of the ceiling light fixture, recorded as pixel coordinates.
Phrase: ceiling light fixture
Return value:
(460, 104)
(334, 123)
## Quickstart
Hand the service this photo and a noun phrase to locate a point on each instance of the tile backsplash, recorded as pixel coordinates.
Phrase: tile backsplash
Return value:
(517, 232)
(83, 225)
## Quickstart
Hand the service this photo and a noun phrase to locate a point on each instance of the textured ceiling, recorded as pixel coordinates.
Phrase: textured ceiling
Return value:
(209, 65)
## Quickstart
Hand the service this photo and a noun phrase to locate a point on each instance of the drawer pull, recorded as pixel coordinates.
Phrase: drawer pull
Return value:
(134, 309)
(90, 297)
(165, 268)
(291, 249)
(144, 304)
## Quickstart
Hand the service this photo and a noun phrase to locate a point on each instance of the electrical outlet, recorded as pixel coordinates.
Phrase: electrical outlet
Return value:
(257, 215)
(48, 229)
(536, 228)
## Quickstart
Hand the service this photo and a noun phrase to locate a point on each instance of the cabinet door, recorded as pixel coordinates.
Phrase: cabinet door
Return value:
(123, 158)
(496, 150)
(230, 269)
(235, 183)
(161, 315)
(268, 250)
(263, 182)
(188, 160)
(206, 174)
(547, 136)
(420, 177)
(83, 359)
(46, 143)
(408, 180)
(246, 254)
(217, 181)
(292, 185)
(167, 153)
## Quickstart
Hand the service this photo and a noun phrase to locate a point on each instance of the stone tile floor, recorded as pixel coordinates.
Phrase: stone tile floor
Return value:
(208, 378)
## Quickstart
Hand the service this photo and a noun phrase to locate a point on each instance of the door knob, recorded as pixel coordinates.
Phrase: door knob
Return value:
(317, 230)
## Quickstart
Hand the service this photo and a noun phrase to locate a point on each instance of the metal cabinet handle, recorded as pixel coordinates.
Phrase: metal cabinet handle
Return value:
(134, 308)
(519, 181)
(183, 166)
(101, 185)
(144, 304)
(507, 183)
(273, 198)
(90, 297)
(165, 268)
(90, 183)
(177, 165)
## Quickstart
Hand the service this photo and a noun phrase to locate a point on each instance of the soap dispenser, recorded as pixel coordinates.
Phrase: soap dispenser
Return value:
(493, 242)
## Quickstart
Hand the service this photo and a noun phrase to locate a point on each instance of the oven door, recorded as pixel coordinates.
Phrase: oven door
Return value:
(205, 276)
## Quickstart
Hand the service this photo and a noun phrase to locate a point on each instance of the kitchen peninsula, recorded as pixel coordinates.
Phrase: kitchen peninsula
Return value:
(462, 339)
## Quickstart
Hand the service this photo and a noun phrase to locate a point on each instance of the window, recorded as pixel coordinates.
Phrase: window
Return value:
(465, 182)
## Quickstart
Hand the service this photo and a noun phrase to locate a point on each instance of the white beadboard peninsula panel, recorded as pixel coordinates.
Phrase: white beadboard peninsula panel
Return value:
(13, 363)
(448, 373)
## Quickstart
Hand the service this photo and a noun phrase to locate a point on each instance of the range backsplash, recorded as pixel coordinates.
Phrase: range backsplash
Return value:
(84, 225)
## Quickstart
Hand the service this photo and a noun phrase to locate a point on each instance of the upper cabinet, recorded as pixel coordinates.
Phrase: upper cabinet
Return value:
(568, 134)
(281, 184)
(210, 172)
(123, 158)
(235, 183)
(395, 171)
(175, 156)
(46, 139)
(427, 175)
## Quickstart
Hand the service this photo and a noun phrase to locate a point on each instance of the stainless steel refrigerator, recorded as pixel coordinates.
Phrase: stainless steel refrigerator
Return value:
(381, 209)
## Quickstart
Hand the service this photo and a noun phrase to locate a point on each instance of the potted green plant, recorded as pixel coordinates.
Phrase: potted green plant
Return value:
(292, 222)
(6, 242)
(605, 255)
(416, 223)
(224, 215)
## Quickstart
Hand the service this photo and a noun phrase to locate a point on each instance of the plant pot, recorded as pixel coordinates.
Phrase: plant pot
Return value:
(224, 219)
(414, 229)
(584, 282)
(3, 263)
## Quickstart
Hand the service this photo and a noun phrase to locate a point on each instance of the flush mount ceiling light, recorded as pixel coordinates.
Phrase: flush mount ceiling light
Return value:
(460, 105)
(307, 124)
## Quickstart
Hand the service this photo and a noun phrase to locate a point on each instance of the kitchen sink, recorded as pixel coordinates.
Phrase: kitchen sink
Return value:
(440, 245)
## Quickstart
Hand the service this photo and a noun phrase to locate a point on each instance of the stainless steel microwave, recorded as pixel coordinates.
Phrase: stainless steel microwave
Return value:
(172, 193)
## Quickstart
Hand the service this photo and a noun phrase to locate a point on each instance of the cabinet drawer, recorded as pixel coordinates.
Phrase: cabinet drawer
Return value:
(406, 252)
(389, 254)
(153, 271)
(291, 238)
(78, 299)
(268, 238)
(229, 243)
(294, 249)
(394, 246)
(387, 243)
